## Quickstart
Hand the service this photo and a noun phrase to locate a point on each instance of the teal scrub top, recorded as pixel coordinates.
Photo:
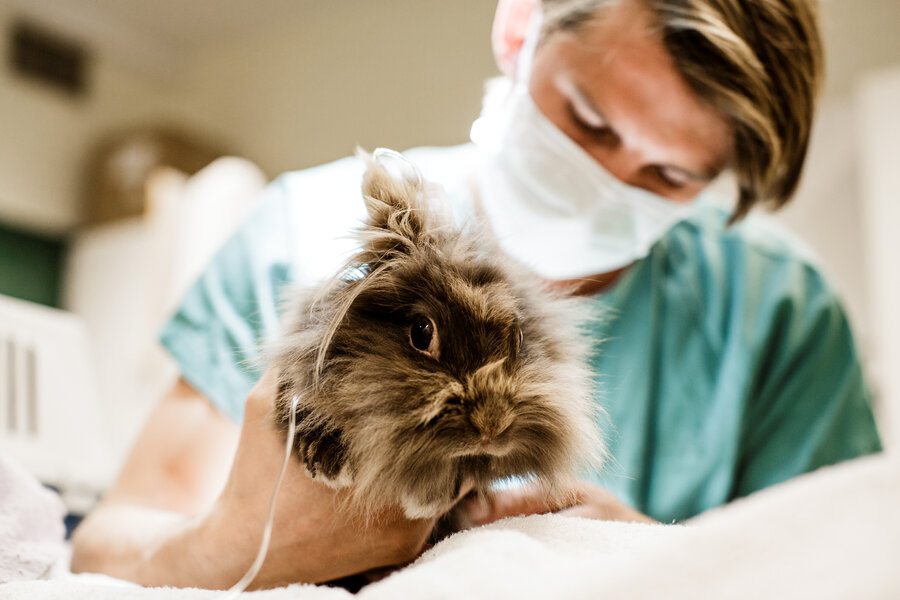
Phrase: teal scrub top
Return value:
(724, 360)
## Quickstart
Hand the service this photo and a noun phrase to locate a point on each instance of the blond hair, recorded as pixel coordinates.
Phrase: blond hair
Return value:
(758, 62)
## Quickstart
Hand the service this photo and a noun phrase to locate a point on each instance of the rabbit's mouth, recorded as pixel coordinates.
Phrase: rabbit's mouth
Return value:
(484, 447)
(490, 447)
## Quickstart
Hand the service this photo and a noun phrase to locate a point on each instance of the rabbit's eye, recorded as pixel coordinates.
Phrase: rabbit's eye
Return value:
(521, 339)
(423, 336)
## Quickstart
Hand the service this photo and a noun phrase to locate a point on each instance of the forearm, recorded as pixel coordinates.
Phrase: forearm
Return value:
(606, 507)
(145, 530)
(150, 547)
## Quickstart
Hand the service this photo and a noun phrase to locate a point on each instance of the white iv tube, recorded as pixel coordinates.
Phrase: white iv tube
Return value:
(253, 571)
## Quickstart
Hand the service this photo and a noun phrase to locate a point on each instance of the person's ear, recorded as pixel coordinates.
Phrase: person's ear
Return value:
(508, 33)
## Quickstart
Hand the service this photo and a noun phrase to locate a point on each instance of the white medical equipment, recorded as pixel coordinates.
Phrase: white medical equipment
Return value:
(50, 417)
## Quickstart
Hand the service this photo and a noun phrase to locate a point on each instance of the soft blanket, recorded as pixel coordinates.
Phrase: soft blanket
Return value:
(831, 534)
(31, 525)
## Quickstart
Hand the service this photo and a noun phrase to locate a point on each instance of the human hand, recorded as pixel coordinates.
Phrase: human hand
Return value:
(313, 538)
(583, 500)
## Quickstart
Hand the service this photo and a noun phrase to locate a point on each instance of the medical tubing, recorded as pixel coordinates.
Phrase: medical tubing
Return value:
(379, 154)
(253, 571)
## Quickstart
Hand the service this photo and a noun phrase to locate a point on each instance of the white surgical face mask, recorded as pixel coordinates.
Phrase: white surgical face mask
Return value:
(551, 205)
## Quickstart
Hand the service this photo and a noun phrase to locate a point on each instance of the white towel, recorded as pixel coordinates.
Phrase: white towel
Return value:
(31, 525)
(831, 534)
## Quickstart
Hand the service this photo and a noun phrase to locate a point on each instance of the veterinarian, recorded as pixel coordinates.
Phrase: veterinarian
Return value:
(727, 363)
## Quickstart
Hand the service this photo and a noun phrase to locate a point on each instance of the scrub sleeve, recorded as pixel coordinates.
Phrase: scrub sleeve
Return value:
(232, 309)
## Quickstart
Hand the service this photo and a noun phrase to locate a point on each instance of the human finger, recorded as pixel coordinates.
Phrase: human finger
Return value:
(484, 509)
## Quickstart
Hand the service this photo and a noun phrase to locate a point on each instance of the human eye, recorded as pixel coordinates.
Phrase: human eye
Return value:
(672, 178)
(589, 124)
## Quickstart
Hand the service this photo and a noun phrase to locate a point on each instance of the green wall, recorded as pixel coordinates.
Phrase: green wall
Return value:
(30, 266)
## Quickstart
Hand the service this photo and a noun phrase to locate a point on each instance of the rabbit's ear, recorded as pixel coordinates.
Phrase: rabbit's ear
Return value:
(397, 220)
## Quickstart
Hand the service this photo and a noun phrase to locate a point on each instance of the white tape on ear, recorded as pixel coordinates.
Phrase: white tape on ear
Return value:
(253, 571)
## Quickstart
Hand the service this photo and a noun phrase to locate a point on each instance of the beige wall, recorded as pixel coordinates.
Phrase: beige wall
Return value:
(389, 73)
(392, 73)
(878, 124)
(339, 73)
(46, 136)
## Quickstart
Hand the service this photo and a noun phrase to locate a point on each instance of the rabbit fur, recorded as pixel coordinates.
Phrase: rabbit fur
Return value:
(432, 362)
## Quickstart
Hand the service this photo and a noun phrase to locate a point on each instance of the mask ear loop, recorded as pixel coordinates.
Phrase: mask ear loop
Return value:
(522, 73)
(253, 571)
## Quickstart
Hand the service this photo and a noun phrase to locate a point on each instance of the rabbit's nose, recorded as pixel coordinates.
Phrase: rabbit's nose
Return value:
(486, 443)
(490, 429)
(487, 427)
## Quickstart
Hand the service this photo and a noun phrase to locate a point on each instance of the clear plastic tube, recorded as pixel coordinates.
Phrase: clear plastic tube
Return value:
(409, 167)
(253, 571)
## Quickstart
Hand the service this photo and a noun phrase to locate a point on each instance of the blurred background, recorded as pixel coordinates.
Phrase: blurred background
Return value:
(110, 108)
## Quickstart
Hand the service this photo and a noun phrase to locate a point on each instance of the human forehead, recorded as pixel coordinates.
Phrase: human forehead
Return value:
(618, 62)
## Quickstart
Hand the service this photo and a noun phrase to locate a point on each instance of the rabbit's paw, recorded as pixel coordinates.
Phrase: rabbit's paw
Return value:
(419, 506)
(427, 500)
(415, 508)
(322, 451)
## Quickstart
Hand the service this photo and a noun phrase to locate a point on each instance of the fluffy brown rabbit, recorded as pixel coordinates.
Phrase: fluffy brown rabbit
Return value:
(432, 362)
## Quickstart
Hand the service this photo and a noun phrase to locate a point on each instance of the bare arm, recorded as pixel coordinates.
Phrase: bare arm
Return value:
(179, 516)
(175, 470)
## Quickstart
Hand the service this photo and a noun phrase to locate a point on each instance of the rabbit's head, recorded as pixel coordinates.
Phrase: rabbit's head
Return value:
(432, 361)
